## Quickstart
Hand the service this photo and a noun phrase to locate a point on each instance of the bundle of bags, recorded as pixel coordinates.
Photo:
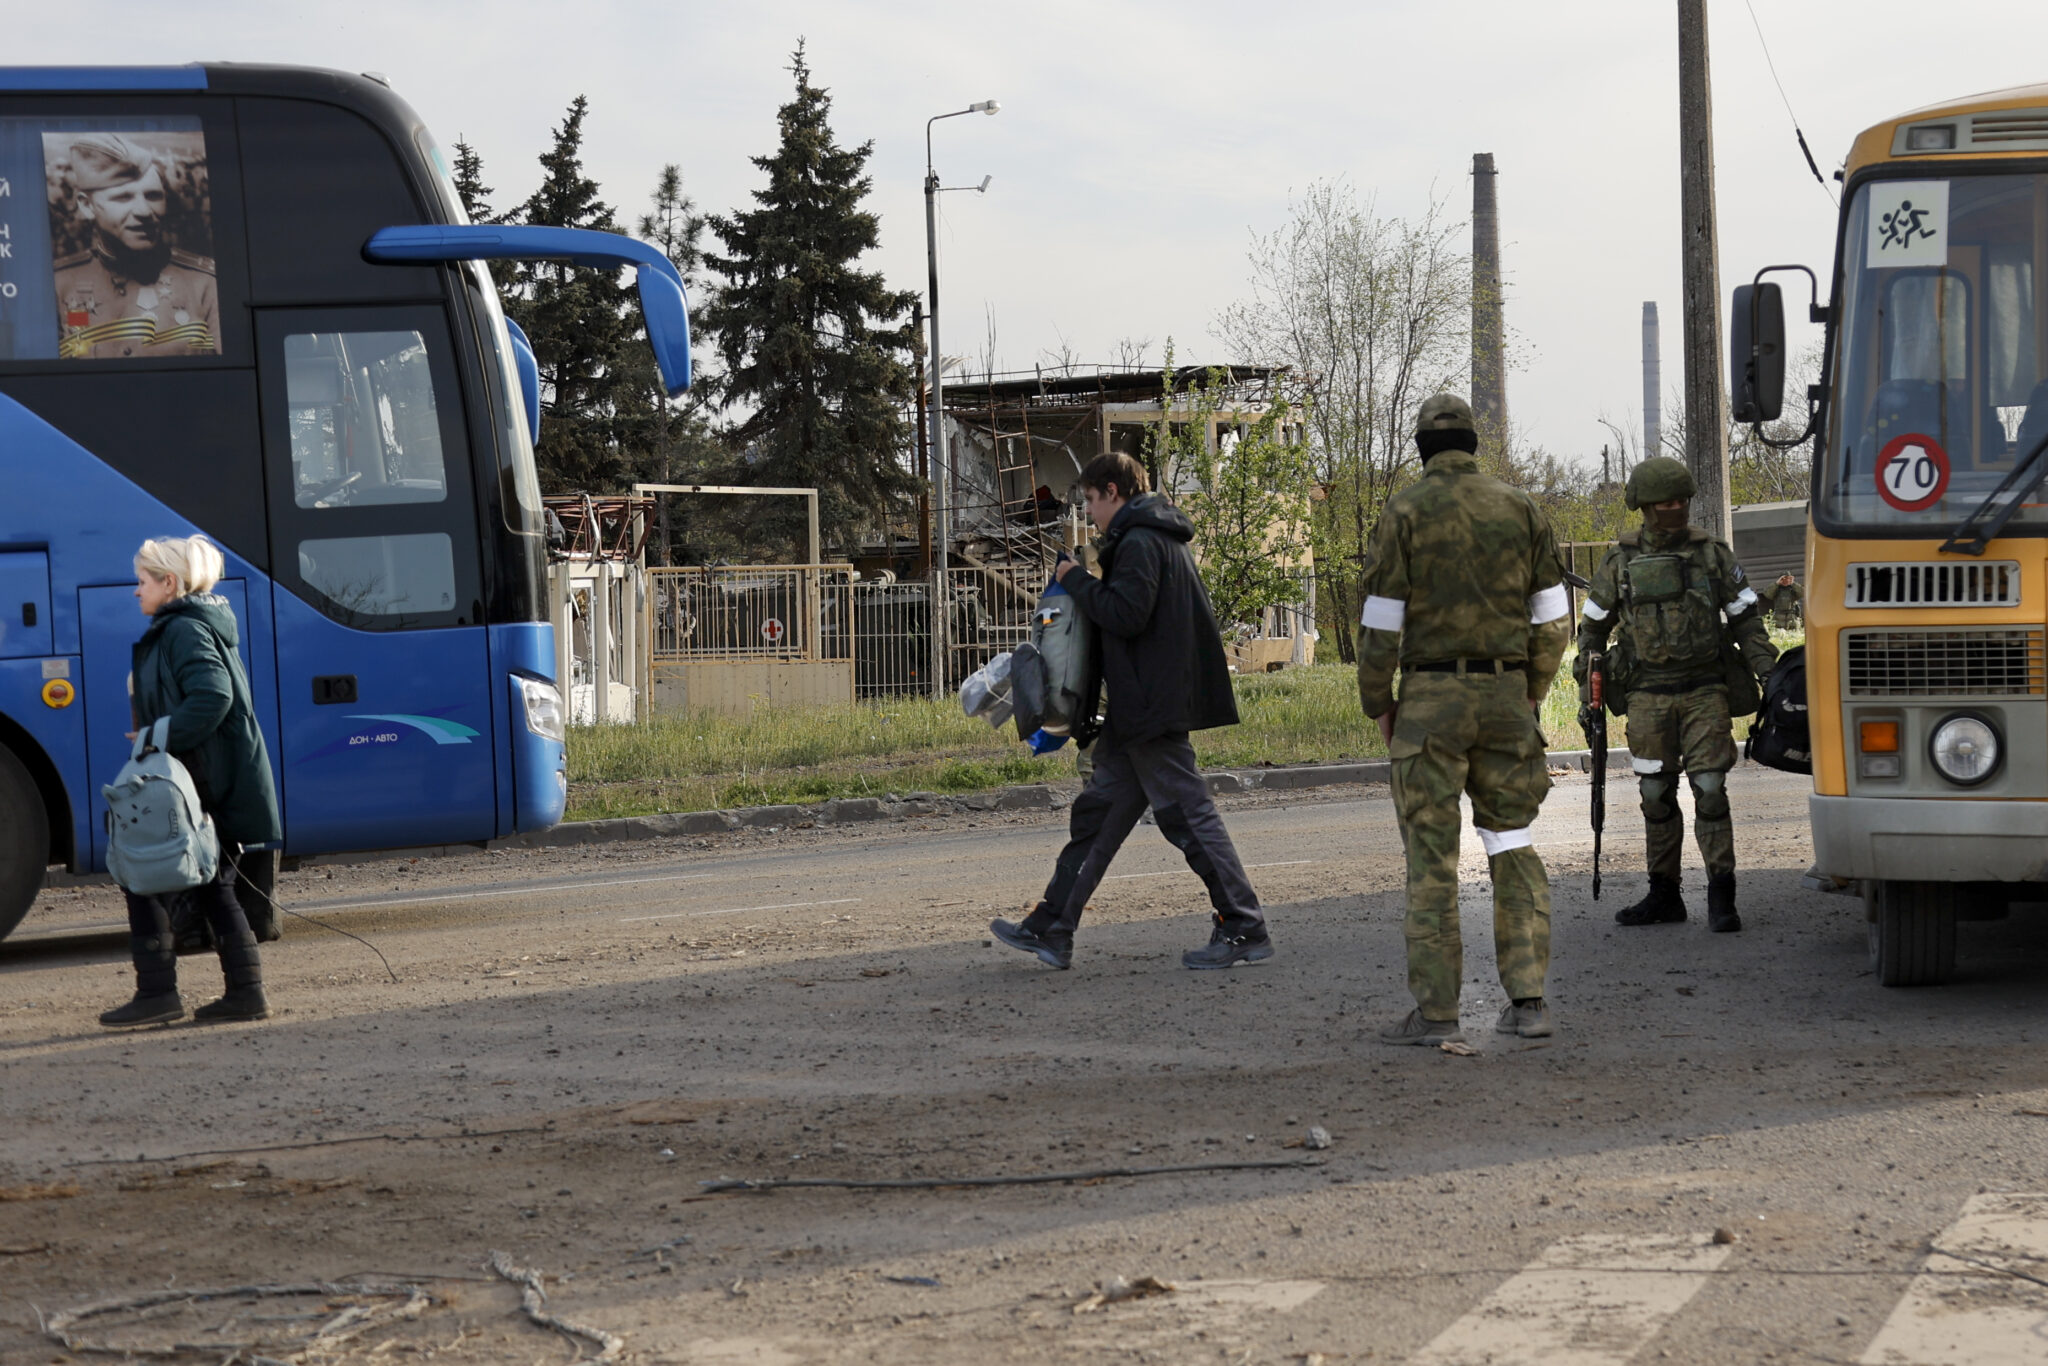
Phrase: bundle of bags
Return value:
(1046, 684)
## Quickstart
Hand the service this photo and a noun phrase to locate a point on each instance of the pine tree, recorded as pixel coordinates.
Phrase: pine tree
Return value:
(684, 447)
(586, 333)
(674, 225)
(813, 349)
(469, 183)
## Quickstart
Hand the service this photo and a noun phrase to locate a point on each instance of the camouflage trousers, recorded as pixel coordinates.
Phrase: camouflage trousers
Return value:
(1691, 733)
(1471, 734)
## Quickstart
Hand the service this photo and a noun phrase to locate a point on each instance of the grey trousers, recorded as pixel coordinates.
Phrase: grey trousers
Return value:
(1160, 773)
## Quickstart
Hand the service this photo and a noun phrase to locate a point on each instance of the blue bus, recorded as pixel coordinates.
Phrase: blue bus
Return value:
(246, 301)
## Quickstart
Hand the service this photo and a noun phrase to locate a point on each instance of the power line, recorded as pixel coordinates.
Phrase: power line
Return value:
(1797, 132)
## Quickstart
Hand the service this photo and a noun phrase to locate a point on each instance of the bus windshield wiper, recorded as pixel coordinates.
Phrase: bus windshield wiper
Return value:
(1982, 526)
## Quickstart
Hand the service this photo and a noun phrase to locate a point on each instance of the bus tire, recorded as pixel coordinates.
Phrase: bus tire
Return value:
(24, 841)
(1912, 932)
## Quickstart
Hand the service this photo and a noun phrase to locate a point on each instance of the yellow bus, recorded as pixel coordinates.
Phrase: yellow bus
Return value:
(1927, 566)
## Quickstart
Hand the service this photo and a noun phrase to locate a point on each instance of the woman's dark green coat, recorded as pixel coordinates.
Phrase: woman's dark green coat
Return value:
(186, 668)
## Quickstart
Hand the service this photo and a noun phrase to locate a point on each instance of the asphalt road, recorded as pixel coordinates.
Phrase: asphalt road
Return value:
(579, 1038)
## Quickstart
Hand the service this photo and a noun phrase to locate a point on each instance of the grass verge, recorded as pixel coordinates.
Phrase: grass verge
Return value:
(704, 761)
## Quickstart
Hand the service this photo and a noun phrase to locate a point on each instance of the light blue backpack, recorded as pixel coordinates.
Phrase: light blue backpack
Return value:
(158, 838)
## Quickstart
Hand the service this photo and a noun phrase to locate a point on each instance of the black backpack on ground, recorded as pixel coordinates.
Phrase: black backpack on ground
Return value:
(1779, 737)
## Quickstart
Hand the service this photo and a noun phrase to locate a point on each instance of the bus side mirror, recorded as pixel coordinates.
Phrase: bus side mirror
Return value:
(667, 315)
(1756, 345)
(662, 303)
(524, 362)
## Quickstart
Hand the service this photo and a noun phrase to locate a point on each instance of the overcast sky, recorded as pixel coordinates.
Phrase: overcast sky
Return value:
(1140, 145)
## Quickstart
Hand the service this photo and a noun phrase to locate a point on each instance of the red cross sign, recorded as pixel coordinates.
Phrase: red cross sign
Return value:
(771, 630)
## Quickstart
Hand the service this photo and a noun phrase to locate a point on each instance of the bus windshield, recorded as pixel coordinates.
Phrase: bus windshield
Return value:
(1939, 361)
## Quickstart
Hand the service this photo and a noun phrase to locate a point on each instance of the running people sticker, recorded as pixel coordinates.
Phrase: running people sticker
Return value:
(1912, 472)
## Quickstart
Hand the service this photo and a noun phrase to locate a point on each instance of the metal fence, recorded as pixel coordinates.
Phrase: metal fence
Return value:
(892, 638)
(989, 609)
(791, 612)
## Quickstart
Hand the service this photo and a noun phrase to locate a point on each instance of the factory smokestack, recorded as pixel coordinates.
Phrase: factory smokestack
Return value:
(1653, 385)
(1489, 331)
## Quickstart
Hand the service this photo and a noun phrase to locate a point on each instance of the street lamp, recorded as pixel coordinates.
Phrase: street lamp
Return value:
(942, 470)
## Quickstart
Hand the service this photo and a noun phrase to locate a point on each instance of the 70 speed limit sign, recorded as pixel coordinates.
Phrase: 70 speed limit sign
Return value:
(1912, 472)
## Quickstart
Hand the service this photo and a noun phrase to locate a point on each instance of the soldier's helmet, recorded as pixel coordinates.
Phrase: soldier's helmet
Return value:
(1658, 480)
(101, 160)
(1444, 413)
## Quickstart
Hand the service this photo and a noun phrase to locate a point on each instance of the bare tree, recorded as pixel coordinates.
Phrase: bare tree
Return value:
(1372, 315)
(1062, 361)
(1130, 352)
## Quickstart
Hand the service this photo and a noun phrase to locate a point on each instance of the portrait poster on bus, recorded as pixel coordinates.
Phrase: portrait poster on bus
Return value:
(106, 240)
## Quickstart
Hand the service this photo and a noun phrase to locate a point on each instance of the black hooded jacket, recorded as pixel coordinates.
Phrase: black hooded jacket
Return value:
(1161, 654)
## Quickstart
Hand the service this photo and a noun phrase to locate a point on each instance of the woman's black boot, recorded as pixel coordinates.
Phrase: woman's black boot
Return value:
(156, 986)
(244, 973)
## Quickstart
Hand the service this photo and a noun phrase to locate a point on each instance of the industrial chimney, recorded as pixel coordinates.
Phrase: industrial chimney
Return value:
(1489, 332)
(1653, 384)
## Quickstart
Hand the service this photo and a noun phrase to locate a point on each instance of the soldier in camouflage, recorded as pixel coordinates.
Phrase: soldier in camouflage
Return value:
(1465, 593)
(1784, 599)
(1678, 595)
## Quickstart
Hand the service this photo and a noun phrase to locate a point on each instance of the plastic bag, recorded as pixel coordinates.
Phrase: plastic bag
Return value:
(986, 691)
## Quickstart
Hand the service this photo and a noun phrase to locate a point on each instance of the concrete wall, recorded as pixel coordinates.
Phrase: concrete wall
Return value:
(736, 687)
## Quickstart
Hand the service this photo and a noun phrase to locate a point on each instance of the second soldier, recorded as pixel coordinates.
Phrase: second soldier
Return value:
(1678, 594)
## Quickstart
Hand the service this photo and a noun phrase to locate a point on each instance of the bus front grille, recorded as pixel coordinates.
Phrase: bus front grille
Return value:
(1911, 583)
(1944, 663)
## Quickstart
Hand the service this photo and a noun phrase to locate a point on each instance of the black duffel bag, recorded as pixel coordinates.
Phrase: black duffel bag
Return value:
(1779, 737)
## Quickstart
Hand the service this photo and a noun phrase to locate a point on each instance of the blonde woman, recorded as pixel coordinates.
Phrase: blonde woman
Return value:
(186, 668)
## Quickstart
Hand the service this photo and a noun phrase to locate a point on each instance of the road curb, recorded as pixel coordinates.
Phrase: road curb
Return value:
(909, 806)
(893, 807)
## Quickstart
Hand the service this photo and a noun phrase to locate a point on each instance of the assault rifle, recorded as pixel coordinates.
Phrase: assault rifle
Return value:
(1593, 720)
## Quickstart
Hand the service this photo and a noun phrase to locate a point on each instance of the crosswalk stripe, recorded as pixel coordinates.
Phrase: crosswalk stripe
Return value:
(1983, 1305)
(1591, 1300)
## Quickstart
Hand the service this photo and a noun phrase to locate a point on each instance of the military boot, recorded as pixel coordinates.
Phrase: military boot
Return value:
(1721, 916)
(156, 986)
(244, 973)
(1663, 906)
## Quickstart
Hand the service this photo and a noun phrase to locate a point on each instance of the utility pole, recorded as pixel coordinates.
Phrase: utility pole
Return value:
(1706, 434)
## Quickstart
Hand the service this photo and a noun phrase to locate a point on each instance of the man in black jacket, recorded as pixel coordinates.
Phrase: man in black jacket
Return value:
(1162, 659)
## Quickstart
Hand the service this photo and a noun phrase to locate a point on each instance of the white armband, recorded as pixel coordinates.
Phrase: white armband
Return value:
(1595, 612)
(1549, 605)
(1500, 841)
(1744, 600)
(1383, 614)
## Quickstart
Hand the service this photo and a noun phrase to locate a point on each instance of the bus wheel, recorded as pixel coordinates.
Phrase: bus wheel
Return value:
(1912, 932)
(24, 841)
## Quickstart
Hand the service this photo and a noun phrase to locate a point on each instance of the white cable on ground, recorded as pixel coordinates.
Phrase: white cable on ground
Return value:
(532, 1297)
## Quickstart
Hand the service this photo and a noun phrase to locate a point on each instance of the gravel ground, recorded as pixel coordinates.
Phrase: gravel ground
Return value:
(579, 1038)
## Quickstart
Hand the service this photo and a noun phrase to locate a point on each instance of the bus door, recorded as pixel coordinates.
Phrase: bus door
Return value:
(109, 624)
(385, 701)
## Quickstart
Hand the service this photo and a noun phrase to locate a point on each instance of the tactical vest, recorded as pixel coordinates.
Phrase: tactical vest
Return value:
(1670, 610)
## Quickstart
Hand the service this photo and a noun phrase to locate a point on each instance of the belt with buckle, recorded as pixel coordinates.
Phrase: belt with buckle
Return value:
(1467, 666)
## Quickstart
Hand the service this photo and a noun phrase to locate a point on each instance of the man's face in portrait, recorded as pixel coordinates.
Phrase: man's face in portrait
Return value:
(128, 215)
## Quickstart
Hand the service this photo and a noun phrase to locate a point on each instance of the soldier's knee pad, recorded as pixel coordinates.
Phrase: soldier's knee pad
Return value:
(1659, 794)
(1710, 796)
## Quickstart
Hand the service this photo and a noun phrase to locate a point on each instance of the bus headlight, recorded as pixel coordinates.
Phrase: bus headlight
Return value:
(1965, 749)
(543, 708)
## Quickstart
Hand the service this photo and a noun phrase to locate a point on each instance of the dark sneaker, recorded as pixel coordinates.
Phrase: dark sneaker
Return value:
(1053, 949)
(1663, 905)
(145, 1010)
(1529, 1019)
(1427, 1033)
(242, 1003)
(1227, 946)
